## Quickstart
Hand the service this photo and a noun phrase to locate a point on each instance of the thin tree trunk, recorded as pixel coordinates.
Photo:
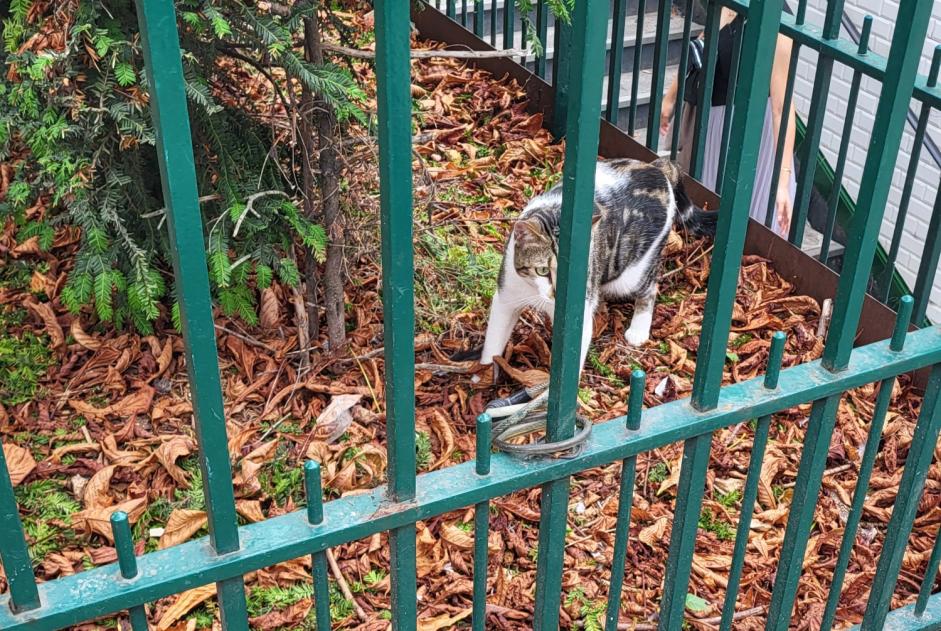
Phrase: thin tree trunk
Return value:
(326, 123)
(308, 157)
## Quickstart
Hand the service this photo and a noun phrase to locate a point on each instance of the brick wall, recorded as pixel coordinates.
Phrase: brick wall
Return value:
(928, 174)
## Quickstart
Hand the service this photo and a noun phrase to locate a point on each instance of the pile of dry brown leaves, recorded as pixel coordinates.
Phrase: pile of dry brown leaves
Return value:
(111, 427)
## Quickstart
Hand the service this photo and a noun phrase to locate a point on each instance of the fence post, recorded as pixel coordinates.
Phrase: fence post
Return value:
(13, 549)
(162, 57)
(582, 122)
(901, 68)
(393, 70)
(759, 39)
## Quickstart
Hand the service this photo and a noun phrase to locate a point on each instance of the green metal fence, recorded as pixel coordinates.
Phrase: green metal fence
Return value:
(230, 551)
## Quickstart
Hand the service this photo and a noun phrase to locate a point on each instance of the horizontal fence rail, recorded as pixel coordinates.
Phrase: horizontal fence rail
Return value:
(578, 68)
(99, 591)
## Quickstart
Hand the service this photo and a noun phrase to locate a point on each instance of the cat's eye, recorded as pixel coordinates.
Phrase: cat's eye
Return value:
(542, 271)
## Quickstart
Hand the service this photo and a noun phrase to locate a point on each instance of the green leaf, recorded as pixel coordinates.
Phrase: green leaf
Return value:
(124, 73)
(287, 272)
(263, 276)
(220, 268)
(696, 604)
(104, 301)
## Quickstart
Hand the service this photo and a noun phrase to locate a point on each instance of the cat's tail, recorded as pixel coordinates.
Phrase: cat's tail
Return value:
(698, 222)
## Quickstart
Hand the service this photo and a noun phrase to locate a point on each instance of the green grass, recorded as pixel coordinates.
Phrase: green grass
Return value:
(658, 473)
(722, 529)
(262, 600)
(604, 370)
(729, 499)
(47, 516)
(282, 480)
(741, 340)
(457, 278)
(423, 454)
(24, 359)
(591, 612)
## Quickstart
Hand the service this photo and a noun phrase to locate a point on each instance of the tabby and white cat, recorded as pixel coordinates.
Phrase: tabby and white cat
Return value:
(636, 205)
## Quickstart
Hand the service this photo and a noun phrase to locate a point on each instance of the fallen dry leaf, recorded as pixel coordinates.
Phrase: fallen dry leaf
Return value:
(444, 621)
(98, 520)
(454, 535)
(528, 378)
(168, 453)
(182, 525)
(185, 603)
(44, 311)
(20, 463)
(96, 493)
(336, 418)
(136, 403)
(654, 533)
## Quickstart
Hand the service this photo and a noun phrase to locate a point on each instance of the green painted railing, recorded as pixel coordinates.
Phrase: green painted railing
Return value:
(231, 551)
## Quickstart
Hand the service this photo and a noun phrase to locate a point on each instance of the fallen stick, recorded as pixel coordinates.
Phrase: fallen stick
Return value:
(430, 54)
(344, 586)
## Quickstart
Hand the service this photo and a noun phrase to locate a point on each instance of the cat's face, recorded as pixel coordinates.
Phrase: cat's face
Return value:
(534, 257)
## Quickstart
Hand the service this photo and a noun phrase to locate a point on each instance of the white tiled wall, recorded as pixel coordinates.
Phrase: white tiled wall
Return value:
(928, 175)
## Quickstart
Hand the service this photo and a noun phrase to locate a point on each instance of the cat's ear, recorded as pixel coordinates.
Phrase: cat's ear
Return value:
(595, 219)
(526, 230)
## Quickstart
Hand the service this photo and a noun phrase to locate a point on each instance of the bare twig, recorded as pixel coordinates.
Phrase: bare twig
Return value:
(344, 586)
(244, 338)
(826, 474)
(250, 207)
(430, 54)
(687, 264)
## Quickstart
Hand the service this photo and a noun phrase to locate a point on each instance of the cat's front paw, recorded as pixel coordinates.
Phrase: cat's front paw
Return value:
(636, 338)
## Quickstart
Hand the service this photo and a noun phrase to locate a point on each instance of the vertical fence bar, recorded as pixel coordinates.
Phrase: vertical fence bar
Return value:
(398, 306)
(885, 282)
(729, 111)
(614, 63)
(493, 23)
(314, 490)
(895, 95)
(681, 80)
(586, 69)
(464, 13)
(479, 18)
(542, 31)
(930, 573)
(161, 47)
(452, 9)
(759, 39)
(865, 468)
(622, 531)
(481, 528)
(928, 267)
(817, 112)
(750, 494)
(906, 504)
(509, 22)
(782, 133)
(844, 145)
(14, 552)
(704, 98)
(561, 61)
(660, 53)
(635, 67)
(127, 561)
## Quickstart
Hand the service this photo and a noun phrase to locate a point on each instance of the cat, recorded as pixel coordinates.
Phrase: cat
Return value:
(636, 205)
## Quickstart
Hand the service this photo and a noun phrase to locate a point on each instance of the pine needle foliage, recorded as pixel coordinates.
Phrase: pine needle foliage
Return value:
(76, 130)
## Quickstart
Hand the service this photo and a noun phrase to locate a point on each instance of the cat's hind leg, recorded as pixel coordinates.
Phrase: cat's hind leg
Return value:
(588, 325)
(644, 303)
(503, 316)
